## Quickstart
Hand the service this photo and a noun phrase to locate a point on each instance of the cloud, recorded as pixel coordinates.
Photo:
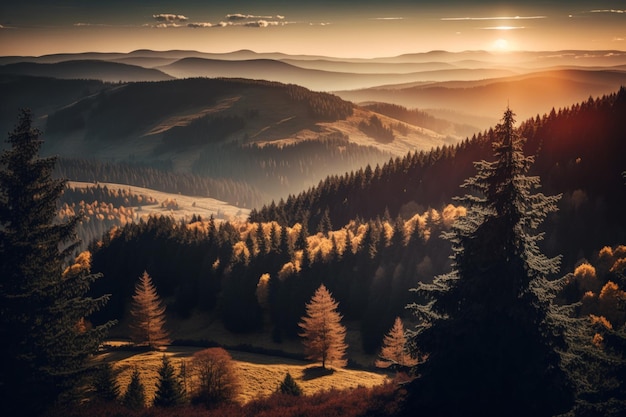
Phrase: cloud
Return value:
(169, 17)
(196, 25)
(503, 28)
(167, 25)
(239, 16)
(608, 11)
(83, 24)
(280, 17)
(494, 18)
(261, 24)
(387, 18)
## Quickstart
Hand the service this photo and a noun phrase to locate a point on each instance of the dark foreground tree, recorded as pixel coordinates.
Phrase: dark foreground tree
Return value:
(42, 302)
(169, 392)
(488, 327)
(135, 396)
(105, 383)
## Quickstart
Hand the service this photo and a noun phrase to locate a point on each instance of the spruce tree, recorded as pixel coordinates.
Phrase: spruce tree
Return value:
(105, 383)
(169, 392)
(135, 396)
(289, 386)
(489, 331)
(42, 302)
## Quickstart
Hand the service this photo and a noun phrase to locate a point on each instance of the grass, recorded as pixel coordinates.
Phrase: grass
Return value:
(259, 375)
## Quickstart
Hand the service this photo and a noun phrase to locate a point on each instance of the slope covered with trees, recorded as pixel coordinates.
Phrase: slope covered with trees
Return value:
(578, 152)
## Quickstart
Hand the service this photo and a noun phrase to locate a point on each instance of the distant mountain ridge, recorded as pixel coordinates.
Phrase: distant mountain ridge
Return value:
(437, 80)
(86, 69)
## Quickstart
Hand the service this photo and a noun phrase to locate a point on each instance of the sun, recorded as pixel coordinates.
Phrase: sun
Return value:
(501, 45)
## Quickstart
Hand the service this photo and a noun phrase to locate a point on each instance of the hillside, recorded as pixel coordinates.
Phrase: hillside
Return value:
(530, 94)
(86, 69)
(578, 153)
(283, 138)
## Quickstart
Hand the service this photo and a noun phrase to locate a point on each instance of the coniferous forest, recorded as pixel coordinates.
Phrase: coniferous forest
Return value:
(481, 278)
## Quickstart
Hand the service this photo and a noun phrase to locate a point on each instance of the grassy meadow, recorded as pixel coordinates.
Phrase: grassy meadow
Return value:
(259, 375)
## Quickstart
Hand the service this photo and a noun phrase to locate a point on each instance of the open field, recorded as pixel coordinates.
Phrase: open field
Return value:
(187, 205)
(259, 375)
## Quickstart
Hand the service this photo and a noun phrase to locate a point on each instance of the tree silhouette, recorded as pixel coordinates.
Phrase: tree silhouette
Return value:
(169, 391)
(394, 351)
(42, 300)
(148, 327)
(323, 334)
(135, 396)
(105, 383)
(289, 386)
(488, 327)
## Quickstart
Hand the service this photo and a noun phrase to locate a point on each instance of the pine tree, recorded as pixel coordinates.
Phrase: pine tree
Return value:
(135, 396)
(148, 327)
(169, 392)
(105, 383)
(323, 334)
(289, 386)
(43, 350)
(488, 328)
(394, 351)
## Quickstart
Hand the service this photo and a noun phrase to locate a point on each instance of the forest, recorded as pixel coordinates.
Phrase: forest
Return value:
(397, 240)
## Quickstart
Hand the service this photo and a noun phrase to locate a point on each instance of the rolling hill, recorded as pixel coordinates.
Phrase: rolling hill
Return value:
(86, 69)
(529, 94)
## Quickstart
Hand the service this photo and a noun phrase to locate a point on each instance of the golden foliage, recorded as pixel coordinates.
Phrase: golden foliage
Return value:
(263, 291)
(598, 340)
(600, 320)
(148, 312)
(587, 278)
(81, 264)
(324, 337)
(394, 349)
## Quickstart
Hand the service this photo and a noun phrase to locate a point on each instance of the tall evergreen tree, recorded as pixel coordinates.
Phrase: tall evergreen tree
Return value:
(169, 392)
(324, 337)
(148, 315)
(492, 341)
(43, 349)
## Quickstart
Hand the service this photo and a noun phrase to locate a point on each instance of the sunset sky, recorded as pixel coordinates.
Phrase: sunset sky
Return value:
(333, 28)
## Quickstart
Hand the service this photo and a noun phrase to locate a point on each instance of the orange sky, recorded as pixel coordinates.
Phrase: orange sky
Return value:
(339, 28)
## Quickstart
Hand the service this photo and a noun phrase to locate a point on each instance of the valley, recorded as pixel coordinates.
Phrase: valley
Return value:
(243, 183)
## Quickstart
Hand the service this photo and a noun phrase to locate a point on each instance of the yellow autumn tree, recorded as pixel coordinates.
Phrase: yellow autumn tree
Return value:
(394, 351)
(324, 337)
(148, 313)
